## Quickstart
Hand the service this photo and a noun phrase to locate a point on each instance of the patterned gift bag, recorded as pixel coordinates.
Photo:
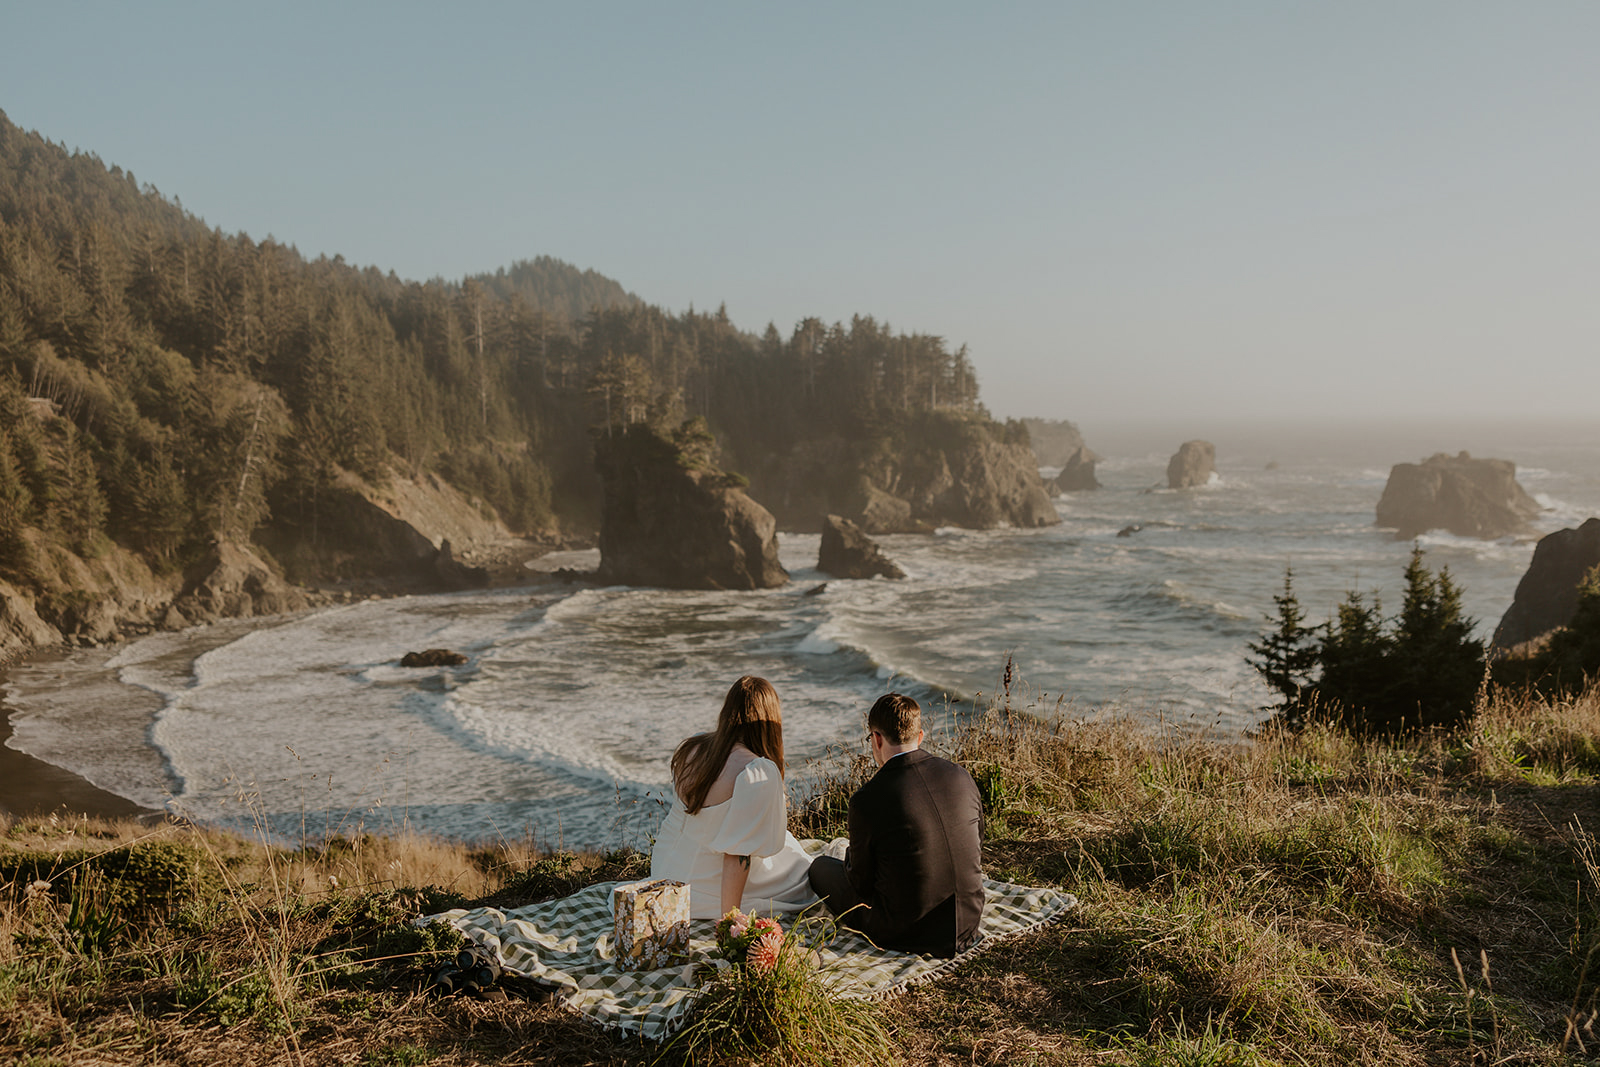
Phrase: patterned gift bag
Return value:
(650, 923)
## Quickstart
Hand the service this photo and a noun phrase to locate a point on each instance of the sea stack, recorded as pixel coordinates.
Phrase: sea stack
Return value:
(847, 552)
(1192, 465)
(1465, 496)
(1077, 473)
(668, 518)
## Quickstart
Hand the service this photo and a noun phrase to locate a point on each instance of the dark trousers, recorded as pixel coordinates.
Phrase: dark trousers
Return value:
(831, 883)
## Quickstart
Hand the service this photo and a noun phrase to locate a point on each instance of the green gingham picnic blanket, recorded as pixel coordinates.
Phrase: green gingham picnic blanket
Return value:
(567, 943)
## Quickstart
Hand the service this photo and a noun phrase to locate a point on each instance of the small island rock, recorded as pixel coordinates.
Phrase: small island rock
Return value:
(1468, 497)
(847, 552)
(433, 657)
(1192, 465)
(1077, 473)
(1547, 596)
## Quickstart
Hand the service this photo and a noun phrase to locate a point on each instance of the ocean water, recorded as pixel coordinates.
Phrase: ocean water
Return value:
(561, 725)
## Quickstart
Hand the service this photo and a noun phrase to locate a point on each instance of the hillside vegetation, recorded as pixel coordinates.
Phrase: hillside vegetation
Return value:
(1311, 898)
(164, 383)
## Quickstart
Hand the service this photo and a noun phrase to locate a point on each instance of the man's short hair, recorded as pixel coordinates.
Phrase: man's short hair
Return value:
(897, 717)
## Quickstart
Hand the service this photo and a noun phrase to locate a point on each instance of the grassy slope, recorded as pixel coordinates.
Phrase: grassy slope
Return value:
(1304, 899)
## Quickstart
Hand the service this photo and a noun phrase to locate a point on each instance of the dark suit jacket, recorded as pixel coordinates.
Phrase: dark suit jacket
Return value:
(915, 856)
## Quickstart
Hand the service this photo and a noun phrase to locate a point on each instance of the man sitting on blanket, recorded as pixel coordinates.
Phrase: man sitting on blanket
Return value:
(912, 878)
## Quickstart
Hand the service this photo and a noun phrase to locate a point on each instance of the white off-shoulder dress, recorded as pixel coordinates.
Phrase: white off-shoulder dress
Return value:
(689, 848)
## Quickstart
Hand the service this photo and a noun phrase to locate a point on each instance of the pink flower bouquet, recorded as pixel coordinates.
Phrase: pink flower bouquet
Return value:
(749, 939)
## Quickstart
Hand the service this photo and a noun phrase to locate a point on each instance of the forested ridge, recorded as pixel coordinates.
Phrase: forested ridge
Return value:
(164, 383)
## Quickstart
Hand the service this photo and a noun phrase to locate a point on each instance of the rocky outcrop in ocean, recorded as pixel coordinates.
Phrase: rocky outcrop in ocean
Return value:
(1192, 465)
(1077, 473)
(980, 486)
(669, 519)
(1466, 496)
(847, 552)
(1547, 596)
(433, 657)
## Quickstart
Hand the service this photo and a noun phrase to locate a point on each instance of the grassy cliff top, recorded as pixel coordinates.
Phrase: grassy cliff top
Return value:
(1306, 898)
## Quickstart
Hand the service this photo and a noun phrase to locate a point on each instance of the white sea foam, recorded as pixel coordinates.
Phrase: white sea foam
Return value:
(1560, 514)
(815, 644)
(581, 604)
(578, 559)
(1450, 546)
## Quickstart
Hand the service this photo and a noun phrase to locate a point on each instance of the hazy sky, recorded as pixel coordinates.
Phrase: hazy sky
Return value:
(1123, 209)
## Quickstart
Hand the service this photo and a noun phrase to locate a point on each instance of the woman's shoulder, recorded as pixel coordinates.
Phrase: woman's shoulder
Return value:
(758, 769)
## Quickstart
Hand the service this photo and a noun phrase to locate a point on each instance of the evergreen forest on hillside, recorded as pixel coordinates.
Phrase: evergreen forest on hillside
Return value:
(164, 383)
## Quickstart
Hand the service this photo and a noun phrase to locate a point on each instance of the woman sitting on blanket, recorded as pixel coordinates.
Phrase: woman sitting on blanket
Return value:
(726, 834)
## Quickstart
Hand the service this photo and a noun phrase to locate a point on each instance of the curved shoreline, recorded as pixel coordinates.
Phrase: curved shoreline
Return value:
(30, 786)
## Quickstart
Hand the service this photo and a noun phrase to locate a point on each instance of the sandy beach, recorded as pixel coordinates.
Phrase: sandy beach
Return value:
(30, 786)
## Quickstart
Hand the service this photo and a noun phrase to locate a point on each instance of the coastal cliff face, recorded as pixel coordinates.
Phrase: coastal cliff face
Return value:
(403, 535)
(400, 528)
(231, 581)
(82, 601)
(21, 629)
(1547, 596)
(1466, 496)
(941, 470)
(1054, 441)
(671, 519)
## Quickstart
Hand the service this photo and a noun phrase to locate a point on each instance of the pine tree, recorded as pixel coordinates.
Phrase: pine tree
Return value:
(1573, 656)
(1438, 666)
(81, 505)
(1286, 656)
(1354, 663)
(1421, 669)
(15, 504)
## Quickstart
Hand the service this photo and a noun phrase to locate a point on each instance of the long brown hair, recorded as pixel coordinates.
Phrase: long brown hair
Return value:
(751, 717)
